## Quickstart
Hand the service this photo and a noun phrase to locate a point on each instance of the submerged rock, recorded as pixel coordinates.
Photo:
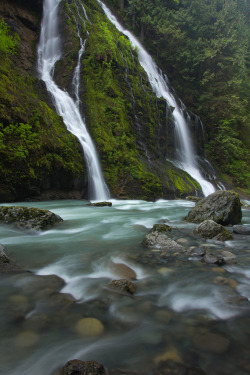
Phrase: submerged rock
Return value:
(89, 327)
(161, 228)
(123, 285)
(241, 229)
(223, 207)
(211, 342)
(28, 218)
(122, 270)
(78, 367)
(210, 229)
(102, 204)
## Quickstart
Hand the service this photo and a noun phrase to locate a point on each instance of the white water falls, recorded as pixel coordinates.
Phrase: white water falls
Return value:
(48, 54)
(160, 87)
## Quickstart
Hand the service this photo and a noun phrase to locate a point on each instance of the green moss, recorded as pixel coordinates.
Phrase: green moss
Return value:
(34, 142)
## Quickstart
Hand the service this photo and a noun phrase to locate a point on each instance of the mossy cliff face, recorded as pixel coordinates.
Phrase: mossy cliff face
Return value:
(132, 128)
(37, 153)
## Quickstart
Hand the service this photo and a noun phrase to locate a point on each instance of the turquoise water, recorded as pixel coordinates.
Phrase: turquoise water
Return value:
(181, 312)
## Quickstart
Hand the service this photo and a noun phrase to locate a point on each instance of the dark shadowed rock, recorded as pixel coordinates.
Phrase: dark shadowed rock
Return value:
(28, 218)
(77, 367)
(123, 285)
(241, 229)
(210, 229)
(193, 198)
(223, 207)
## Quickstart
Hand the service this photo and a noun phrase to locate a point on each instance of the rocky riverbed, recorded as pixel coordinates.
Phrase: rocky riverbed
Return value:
(98, 289)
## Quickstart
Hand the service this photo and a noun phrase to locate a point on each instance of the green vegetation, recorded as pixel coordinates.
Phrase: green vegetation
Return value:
(204, 48)
(122, 112)
(35, 146)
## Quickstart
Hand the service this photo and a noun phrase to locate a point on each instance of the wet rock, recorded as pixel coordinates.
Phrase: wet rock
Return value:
(162, 241)
(210, 229)
(28, 218)
(89, 327)
(102, 204)
(123, 285)
(182, 241)
(6, 264)
(161, 228)
(58, 302)
(228, 257)
(122, 270)
(241, 229)
(170, 354)
(219, 280)
(211, 258)
(30, 283)
(223, 207)
(193, 198)
(219, 270)
(211, 342)
(197, 251)
(78, 367)
(163, 316)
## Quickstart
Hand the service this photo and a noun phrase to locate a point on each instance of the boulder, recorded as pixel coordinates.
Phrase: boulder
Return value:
(223, 207)
(210, 229)
(211, 258)
(28, 218)
(102, 204)
(77, 367)
(241, 229)
(123, 285)
(160, 240)
(193, 198)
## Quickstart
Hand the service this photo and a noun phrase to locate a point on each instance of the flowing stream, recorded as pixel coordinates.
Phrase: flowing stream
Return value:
(186, 155)
(185, 311)
(49, 53)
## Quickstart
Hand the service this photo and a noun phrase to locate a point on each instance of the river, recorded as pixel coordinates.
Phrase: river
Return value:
(184, 311)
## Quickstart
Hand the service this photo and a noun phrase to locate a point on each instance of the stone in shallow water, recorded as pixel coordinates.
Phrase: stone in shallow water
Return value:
(170, 354)
(210, 229)
(211, 342)
(101, 204)
(124, 271)
(219, 280)
(241, 229)
(228, 257)
(77, 367)
(123, 285)
(89, 327)
(26, 339)
(211, 258)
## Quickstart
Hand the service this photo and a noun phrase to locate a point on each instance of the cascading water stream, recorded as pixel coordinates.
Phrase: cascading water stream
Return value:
(48, 54)
(160, 87)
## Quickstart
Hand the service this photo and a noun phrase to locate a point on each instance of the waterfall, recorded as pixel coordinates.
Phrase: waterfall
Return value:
(159, 84)
(49, 53)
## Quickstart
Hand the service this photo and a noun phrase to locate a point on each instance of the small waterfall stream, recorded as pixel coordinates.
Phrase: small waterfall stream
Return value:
(48, 54)
(186, 157)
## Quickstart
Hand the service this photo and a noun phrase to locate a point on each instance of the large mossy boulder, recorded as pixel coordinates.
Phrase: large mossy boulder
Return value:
(223, 207)
(28, 218)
